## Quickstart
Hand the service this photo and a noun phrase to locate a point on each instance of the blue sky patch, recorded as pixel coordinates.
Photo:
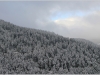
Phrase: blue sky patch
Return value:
(61, 15)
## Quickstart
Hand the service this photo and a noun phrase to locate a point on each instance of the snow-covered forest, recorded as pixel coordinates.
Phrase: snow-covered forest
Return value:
(31, 51)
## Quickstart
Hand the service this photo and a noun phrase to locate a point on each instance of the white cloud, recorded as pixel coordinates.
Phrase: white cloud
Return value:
(87, 27)
(69, 22)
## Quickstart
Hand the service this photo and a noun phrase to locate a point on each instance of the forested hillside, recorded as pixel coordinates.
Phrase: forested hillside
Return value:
(30, 51)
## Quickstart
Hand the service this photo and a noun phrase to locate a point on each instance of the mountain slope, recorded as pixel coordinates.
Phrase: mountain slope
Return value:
(30, 51)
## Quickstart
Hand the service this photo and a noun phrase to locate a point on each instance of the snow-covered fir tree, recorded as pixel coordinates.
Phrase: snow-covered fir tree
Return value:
(30, 51)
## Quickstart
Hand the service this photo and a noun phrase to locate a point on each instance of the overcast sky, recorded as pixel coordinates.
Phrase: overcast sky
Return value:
(77, 19)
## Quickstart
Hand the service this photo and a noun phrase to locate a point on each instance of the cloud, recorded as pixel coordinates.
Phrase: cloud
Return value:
(93, 18)
(68, 18)
(87, 27)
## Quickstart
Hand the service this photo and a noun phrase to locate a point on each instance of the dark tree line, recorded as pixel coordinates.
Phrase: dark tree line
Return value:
(30, 51)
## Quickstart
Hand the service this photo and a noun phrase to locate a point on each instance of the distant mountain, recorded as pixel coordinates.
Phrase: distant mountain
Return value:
(98, 43)
(31, 51)
(85, 41)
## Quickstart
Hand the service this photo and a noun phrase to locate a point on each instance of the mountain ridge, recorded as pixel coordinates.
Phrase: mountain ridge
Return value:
(31, 51)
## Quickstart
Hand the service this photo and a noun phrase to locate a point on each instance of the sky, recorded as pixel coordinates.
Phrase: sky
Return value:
(70, 18)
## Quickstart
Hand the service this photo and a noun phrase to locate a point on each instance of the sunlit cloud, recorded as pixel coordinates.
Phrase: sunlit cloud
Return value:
(86, 27)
